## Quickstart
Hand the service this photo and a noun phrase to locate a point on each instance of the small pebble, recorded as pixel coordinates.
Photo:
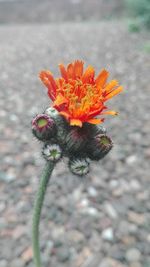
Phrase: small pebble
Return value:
(63, 254)
(135, 185)
(84, 203)
(7, 177)
(90, 211)
(110, 210)
(92, 191)
(108, 234)
(133, 254)
(3, 263)
(131, 159)
(135, 264)
(113, 183)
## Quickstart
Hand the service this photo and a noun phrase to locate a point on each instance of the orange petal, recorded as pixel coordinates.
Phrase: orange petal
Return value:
(70, 71)
(88, 74)
(75, 122)
(110, 112)
(46, 75)
(102, 78)
(60, 99)
(97, 111)
(110, 86)
(65, 114)
(95, 121)
(78, 68)
(63, 71)
(47, 78)
(113, 93)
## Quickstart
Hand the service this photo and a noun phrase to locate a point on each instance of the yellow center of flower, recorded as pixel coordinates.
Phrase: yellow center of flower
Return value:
(80, 97)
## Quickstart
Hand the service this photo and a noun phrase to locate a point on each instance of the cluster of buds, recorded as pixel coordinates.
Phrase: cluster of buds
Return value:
(78, 144)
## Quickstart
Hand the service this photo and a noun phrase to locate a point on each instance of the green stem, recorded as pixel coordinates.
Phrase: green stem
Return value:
(37, 211)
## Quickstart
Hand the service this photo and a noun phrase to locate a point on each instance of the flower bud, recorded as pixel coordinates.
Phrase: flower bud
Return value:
(52, 152)
(94, 130)
(79, 167)
(52, 112)
(43, 127)
(99, 147)
(61, 123)
(100, 129)
(76, 141)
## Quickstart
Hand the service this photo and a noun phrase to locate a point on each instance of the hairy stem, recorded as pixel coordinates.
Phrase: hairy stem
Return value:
(37, 211)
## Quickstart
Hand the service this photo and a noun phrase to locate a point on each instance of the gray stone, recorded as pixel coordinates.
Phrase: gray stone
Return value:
(17, 263)
(3, 263)
(131, 159)
(77, 193)
(2, 206)
(91, 211)
(136, 218)
(133, 254)
(135, 264)
(146, 263)
(92, 191)
(110, 210)
(135, 185)
(63, 254)
(133, 228)
(4, 177)
(109, 262)
(114, 183)
(108, 234)
(84, 203)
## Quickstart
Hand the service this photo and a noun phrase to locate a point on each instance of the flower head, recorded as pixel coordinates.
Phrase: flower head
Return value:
(78, 95)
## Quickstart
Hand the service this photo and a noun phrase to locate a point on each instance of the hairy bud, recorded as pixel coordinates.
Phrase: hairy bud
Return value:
(79, 166)
(99, 147)
(52, 112)
(61, 123)
(52, 152)
(43, 127)
(76, 141)
(100, 129)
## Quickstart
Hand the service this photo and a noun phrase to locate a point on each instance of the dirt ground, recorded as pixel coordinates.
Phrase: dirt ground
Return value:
(103, 219)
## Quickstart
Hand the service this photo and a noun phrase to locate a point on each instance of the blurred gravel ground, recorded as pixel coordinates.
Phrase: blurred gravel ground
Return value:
(37, 11)
(100, 221)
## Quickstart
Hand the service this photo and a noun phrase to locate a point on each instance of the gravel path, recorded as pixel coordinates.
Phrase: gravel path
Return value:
(100, 221)
(37, 11)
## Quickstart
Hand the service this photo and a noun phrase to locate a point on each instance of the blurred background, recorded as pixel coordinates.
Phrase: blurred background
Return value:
(102, 220)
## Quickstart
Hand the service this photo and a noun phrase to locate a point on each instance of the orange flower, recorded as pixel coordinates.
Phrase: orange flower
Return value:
(78, 95)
